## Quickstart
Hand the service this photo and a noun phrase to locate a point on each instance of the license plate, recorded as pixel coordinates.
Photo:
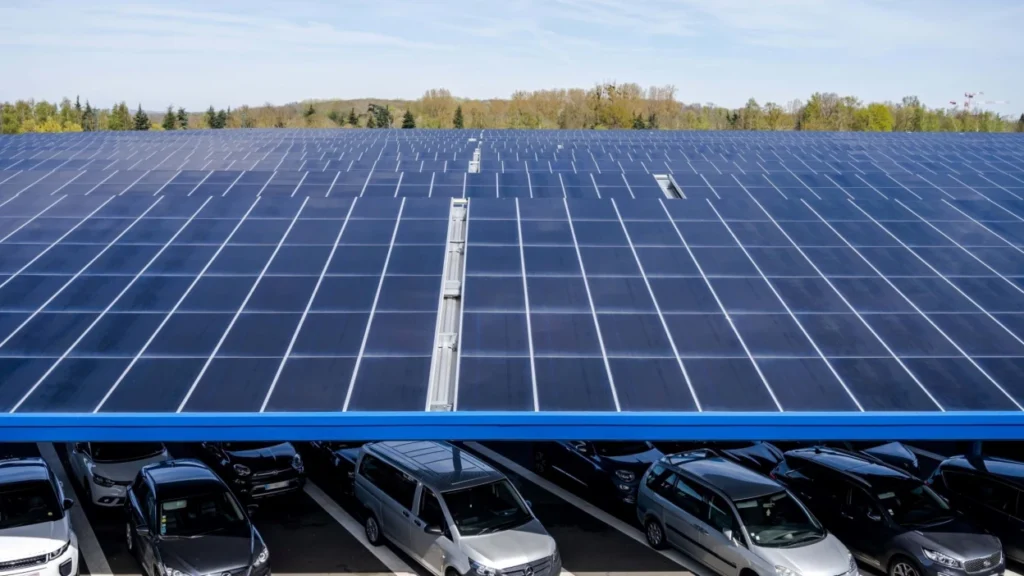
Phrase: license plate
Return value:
(276, 485)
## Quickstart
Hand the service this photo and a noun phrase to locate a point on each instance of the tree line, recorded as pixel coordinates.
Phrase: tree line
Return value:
(605, 106)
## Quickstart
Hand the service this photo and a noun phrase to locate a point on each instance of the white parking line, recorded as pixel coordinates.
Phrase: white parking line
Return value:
(383, 553)
(88, 546)
(587, 507)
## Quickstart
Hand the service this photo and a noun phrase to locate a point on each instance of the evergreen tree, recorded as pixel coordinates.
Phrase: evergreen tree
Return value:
(638, 123)
(170, 120)
(458, 121)
(370, 122)
(182, 119)
(382, 117)
(120, 118)
(78, 104)
(141, 121)
(336, 117)
(88, 118)
(353, 120)
(309, 113)
(222, 119)
(211, 117)
(1020, 124)
(652, 121)
(408, 121)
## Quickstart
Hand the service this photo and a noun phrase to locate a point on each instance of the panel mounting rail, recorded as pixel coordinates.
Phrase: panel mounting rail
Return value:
(441, 389)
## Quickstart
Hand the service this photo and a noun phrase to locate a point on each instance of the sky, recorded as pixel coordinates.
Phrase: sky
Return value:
(227, 53)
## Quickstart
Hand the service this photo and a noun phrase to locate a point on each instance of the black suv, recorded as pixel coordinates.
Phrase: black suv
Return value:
(182, 520)
(889, 519)
(988, 490)
(608, 468)
(256, 470)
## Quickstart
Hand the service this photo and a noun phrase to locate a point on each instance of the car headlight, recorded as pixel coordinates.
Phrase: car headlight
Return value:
(480, 569)
(58, 552)
(103, 481)
(941, 558)
(168, 571)
(241, 470)
(625, 475)
(262, 558)
(297, 462)
(783, 571)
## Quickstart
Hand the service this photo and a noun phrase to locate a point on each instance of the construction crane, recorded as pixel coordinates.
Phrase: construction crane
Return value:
(969, 102)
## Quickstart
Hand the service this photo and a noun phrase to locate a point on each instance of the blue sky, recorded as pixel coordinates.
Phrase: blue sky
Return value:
(195, 54)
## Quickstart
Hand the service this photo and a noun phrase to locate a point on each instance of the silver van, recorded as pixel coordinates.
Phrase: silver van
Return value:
(450, 511)
(734, 520)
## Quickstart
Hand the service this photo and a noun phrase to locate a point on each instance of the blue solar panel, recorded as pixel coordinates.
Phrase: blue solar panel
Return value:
(280, 271)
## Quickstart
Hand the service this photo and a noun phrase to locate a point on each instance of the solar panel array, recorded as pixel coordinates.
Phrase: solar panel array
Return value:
(302, 271)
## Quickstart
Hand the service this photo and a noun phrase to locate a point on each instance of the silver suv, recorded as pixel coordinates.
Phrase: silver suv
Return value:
(450, 511)
(734, 520)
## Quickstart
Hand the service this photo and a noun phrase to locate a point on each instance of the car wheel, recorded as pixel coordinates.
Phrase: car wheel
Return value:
(372, 528)
(903, 566)
(540, 463)
(655, 534)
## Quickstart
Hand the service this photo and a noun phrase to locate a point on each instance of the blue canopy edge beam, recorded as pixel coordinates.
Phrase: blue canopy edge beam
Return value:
(512, 426)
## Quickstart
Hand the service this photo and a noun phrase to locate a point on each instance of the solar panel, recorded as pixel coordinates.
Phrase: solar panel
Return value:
(816, 284)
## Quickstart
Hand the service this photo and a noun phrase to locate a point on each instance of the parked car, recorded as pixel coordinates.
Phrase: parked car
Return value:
(610, 469)
(889, 519)
(256, 470)
(450, 511)
(734, 520)
(181, 519)
(988, 490)
(36, 536)
(333, 460)
(106, 470)
(761, 457)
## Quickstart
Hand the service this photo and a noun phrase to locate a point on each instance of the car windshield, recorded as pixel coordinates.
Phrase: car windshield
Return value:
(25, 503)
(200, 514)
(124, 452)
(242, 446)
(621, 448)
(913, 504)
(778, 521)
(487, 508)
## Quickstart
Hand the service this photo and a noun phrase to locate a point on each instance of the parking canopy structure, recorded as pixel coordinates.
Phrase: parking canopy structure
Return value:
(456, 284)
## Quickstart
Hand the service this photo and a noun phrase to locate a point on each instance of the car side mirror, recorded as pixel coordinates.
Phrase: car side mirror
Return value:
(873, 516)
(68, 503)
(433, 529)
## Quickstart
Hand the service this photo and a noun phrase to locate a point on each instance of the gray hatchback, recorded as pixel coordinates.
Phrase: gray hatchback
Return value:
(734, 520)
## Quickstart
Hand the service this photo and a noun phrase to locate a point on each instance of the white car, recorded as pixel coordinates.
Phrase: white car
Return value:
(35, 530)
(106, 470)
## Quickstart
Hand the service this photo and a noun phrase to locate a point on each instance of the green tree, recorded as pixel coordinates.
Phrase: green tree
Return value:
(458, 121)
(353, 120)
(652, 121)
(88, 118)
(336, 117)
(408, 121)
(1020, 124)
(120, 118)
(182, 119)
(382, 116)
(222, 118)
(370, 122)
(170, 120)
(141, 121)
(638, 122)
(211, 117)
(309, 114)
